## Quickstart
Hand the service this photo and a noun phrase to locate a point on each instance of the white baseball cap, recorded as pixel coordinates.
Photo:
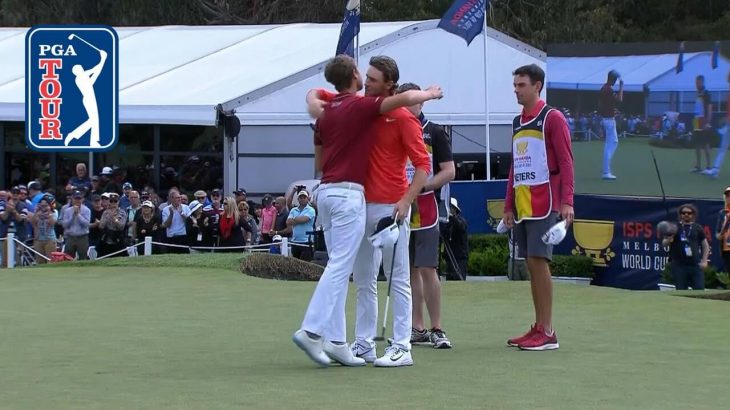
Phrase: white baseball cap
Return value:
(106, 171)
(386, 233)
(502, 228)
(556, 234)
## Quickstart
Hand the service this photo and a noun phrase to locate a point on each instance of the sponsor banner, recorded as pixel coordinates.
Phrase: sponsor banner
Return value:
(618, 233)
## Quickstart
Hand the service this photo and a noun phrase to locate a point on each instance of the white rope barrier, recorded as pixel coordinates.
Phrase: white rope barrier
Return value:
(31, 249)
(125, 249)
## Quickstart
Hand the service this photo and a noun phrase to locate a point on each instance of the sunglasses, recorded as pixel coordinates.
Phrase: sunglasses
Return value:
(113, 201)
(687, 213)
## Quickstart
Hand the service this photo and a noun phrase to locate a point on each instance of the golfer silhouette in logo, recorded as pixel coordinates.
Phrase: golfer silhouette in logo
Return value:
(85, 80)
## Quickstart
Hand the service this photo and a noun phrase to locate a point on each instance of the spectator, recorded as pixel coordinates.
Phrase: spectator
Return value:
(243, 210)
(282, 213)
(44, 221)
(81, 181)
(215, 212)
(722, 231)
(173, 219)
(96, 188)
(75, 220)
(96, 212)
(21, 209)
(232, 226)
(197, 226)
(132, 210)
(146, 223)
(202, 197)
(112, 224)
(268, 219)
(124, 201)
(301, 221)
(688, 255)
(35, 194)
(240, 195)
(104, 178)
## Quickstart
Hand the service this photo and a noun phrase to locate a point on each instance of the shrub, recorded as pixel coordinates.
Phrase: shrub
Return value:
(485, 241)
(490, 261)
(572, 266)
(488, 256)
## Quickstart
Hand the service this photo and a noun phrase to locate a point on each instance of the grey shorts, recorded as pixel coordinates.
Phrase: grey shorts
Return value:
(528, 236)
(424, 248)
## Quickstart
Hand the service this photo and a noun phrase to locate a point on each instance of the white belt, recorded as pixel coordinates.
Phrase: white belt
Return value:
(345, 185)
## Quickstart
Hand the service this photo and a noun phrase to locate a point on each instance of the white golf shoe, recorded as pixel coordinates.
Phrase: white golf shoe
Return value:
(363, 350)
(342, 354)
(395, 356)
(312, 347)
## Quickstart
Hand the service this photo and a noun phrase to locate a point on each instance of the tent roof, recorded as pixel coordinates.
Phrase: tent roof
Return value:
(639, 72)
(179, 74)
(715, 80)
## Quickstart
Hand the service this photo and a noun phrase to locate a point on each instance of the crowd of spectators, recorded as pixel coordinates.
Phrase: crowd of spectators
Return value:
(108, 214)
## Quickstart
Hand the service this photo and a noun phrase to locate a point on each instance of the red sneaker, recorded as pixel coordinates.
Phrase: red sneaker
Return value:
(517, 340)
(540, 341)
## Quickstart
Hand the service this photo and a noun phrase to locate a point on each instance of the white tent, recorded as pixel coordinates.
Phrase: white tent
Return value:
(179, 74)
(639, 72)
(715, 79)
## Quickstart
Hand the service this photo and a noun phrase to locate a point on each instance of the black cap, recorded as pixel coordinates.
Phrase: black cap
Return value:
(240, 191)
(77, 194)
(384, 223)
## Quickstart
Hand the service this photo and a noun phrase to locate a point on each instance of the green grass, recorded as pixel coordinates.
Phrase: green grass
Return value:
(199, 337)
(634, 167)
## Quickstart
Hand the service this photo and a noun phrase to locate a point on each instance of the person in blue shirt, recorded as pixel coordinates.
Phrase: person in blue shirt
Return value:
(301, 221)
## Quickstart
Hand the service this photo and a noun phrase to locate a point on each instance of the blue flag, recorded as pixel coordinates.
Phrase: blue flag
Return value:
(465, 18)
(715, 54)
(350, 29)
(680, 58)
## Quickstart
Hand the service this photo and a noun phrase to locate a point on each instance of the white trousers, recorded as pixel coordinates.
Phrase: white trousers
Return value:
(367, 267)
(342, 214)
(609, 148)
(724, 144)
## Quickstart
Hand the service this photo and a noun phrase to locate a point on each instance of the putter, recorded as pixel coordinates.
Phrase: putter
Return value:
(387, 297)
(72, 36)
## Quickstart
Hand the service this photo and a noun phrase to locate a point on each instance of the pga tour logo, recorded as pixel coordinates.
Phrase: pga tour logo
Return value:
(72, 83)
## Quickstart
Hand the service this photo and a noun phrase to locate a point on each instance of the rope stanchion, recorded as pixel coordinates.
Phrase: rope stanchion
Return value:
(31, 249)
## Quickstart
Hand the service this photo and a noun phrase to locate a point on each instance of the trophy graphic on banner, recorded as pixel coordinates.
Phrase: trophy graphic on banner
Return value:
(594, 240)
(495, 212)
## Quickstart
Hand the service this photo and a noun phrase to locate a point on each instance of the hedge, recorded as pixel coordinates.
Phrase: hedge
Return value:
(488, 256)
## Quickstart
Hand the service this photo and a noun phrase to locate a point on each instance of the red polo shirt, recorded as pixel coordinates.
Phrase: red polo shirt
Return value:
(343, 133)
(559, 158)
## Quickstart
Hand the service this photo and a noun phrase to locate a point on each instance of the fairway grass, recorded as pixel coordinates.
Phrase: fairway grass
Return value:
(635, 172)
(101, 336)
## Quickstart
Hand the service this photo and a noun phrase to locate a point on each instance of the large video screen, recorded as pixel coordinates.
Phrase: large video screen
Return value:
(629, 104)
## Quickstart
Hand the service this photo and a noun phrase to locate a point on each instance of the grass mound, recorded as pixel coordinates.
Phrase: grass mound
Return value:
(271, 266)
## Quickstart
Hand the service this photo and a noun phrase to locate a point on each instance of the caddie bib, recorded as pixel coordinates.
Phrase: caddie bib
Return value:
(531, 174)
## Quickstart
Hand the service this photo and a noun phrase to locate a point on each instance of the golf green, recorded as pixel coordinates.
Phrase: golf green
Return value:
(181, 332)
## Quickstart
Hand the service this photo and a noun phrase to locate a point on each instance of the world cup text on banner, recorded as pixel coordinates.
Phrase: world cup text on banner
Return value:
(72, 84)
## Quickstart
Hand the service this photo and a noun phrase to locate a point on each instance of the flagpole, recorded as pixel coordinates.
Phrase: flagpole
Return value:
(486, 102)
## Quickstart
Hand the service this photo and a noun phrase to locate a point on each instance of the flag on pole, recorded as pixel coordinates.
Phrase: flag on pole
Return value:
(680, 58)
(465, 18)
(350, 29)
(715, 54)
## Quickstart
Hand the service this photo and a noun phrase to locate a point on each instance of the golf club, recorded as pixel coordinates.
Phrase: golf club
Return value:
(387, 298)
(72, 36)
(664, 197)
